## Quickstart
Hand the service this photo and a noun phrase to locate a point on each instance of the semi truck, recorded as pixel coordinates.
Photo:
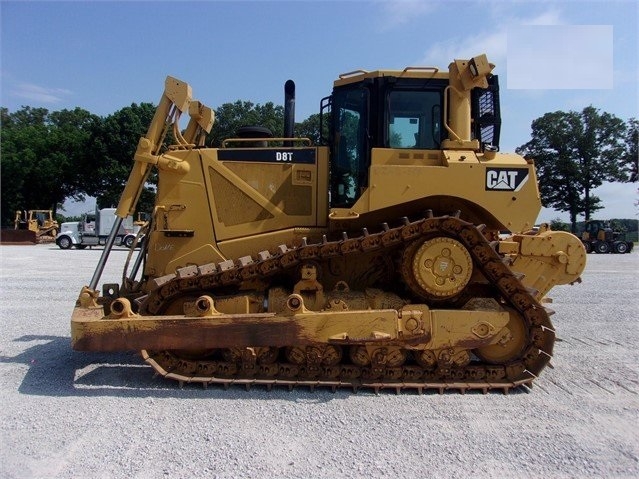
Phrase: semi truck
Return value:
(94, 229)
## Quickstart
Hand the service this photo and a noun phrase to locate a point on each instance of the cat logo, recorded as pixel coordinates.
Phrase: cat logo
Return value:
(506, 179)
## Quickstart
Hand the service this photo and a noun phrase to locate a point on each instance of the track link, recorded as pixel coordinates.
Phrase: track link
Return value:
(248, 372)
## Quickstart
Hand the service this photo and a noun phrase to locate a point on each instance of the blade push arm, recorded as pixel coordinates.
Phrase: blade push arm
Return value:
(175, 99)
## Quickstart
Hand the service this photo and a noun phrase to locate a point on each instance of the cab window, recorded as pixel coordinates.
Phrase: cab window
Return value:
(414, 119)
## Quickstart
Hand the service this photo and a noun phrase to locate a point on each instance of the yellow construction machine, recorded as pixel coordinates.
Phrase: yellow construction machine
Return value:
(370, 260)
(41, 222)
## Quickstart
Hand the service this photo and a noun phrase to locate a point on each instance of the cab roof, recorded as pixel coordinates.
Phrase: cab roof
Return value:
(426, 73)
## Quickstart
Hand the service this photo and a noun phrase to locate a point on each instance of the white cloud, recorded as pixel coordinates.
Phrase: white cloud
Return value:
(493, 44)
(579, 57)
(549, 17)
(492, 41)
(40, 94)
(399, 12)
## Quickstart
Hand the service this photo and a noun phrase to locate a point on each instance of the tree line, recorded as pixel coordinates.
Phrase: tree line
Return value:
(47, 157)
(575, 152)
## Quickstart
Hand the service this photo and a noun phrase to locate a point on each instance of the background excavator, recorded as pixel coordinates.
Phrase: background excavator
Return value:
(370, 260)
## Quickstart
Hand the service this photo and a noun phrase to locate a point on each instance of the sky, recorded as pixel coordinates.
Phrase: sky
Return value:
(104, 55)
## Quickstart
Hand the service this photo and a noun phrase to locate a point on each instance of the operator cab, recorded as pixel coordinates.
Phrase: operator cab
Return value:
(393, 109)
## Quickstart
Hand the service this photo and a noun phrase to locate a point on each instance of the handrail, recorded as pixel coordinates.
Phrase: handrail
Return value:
(435, 70)
(353, 73)
(258, 140)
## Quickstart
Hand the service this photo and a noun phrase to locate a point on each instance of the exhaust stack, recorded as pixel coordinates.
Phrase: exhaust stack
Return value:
(289, 111)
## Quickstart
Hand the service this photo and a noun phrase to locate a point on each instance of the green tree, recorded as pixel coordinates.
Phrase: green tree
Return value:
(310, 128)
(229, 117)
(632, 148)
(41, 157)
(113, 145)
(69, 146)
(575, 152)
(556, 224)
(632, 151)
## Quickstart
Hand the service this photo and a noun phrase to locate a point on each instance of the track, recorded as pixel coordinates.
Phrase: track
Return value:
(276, 369)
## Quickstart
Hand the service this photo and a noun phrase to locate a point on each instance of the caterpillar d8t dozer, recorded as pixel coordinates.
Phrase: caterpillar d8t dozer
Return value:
(370, 260)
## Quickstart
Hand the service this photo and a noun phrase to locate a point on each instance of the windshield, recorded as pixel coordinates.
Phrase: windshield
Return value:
(349, 155)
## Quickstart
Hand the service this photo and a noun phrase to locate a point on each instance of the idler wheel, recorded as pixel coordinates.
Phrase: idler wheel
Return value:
(511, 344)
(439, 268)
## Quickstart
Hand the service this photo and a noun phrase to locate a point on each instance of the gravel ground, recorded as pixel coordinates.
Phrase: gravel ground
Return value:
(67, 414)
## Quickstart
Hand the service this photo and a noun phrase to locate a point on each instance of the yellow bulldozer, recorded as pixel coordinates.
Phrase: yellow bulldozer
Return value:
(372, 259)
(41, 222)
